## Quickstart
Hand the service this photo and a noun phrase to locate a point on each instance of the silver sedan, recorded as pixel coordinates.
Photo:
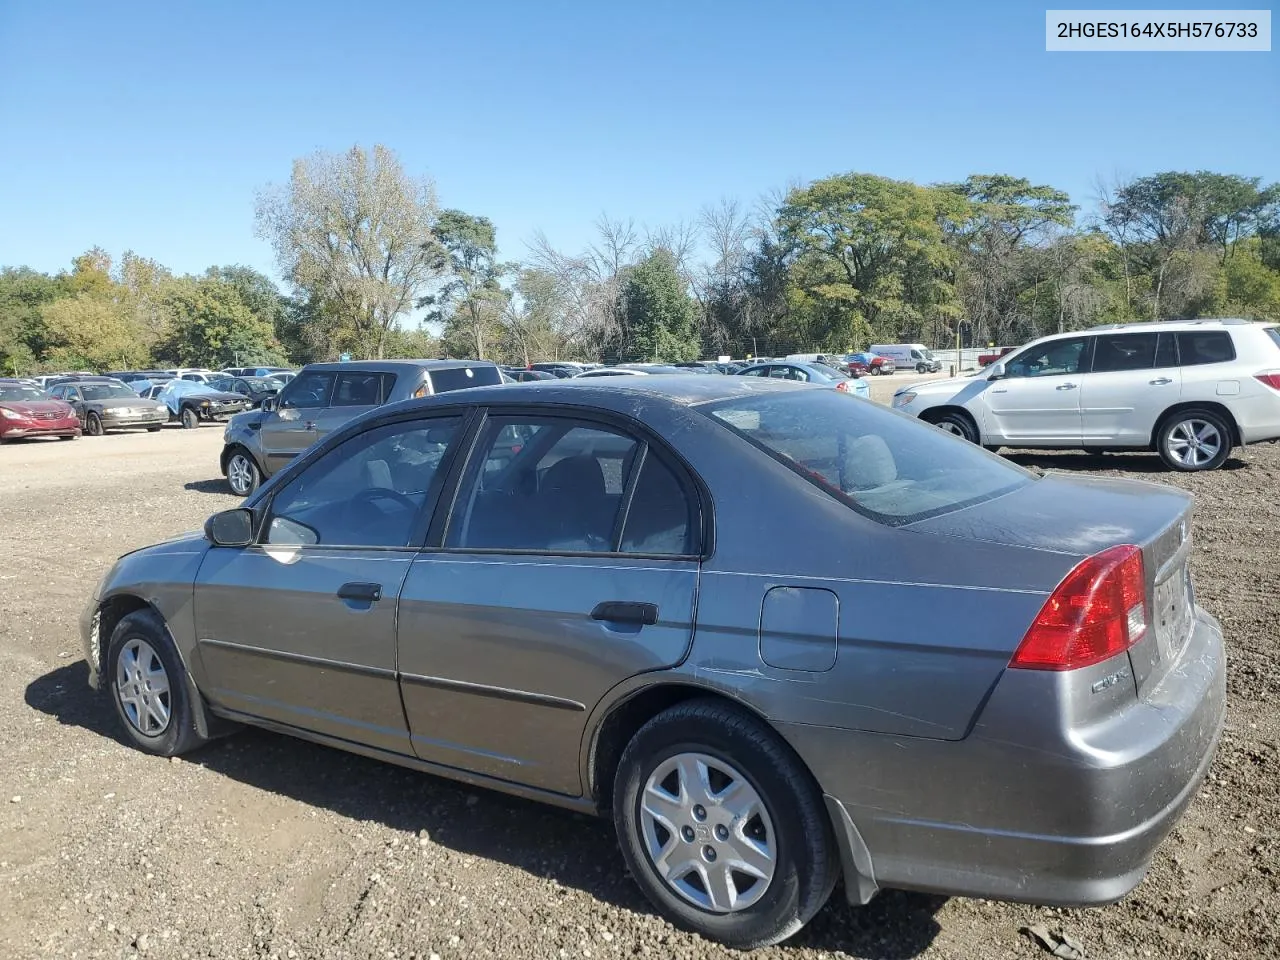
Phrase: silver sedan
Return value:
(928, 669)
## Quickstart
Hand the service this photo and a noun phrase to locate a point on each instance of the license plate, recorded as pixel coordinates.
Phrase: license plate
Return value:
(1173, 614)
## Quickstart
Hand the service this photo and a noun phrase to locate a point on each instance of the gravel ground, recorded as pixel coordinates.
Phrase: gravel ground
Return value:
(265, 847)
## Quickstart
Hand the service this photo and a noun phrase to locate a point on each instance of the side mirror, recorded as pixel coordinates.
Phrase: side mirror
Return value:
(270, 403)
(230, 528)
(996, 371)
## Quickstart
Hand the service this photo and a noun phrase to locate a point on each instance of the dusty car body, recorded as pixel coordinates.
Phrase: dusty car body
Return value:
(27, 411)
(102, 404)
(758, 718)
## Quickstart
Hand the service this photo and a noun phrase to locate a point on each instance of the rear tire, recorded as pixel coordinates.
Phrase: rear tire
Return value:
(149, 688)
(93, 425)
(190, 419)
(1193, 440)
(763, 812)
(958, 424)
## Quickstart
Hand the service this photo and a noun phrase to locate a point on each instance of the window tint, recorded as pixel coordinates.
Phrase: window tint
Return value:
(362, 389)
(308, 390)
(1124, 351)
(659, 520)
(366, 492)
(457, 378)
(1166, 351)
(892, 468)
(1049, 359)
(558, 492)
(1208, 346)
(755, 372)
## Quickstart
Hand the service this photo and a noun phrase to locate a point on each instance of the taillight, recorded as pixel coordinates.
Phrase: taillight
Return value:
(1272, 380)
(843, 386)
(1098, 611)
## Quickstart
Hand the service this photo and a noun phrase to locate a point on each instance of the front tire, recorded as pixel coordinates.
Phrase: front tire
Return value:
(93, 425)
(190, 419)
(922, 368)
(243, 475)
(149, 686)
(958, 424)
(875, 371)
(722, 826)
(1194, 440)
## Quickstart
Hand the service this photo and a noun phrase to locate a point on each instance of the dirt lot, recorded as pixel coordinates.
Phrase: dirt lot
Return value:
(261, 846)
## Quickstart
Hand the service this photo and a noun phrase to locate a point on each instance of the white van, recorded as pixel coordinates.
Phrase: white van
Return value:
(908, 356)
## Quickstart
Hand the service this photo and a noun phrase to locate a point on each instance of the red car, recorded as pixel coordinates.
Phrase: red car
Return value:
(27, 411)
(986, 359)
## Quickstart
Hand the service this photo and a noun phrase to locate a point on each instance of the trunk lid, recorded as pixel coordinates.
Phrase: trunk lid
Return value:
(1082, 516)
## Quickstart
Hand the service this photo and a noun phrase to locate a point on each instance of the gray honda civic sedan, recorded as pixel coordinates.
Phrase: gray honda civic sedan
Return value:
(779, 634)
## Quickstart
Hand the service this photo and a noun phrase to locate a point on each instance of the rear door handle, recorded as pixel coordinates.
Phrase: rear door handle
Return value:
(1066, 386)
(362, 592)
(621, 611)
(1160, 380)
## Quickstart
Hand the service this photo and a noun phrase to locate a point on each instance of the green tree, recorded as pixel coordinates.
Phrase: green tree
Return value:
(211, 325)
(92, 333)
(23, 292)
(353, 232)
(471, 302)
(660, 321)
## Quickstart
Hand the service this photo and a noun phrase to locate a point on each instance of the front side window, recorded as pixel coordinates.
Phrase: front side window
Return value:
(368, 492)
(1205, 346)
(1124, 351)
(887, 466)
(1055, 358)
(308, 390)
(755, 372)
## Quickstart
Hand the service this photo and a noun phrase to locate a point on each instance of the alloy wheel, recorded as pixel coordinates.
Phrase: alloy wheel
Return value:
(1194, 442)
(240, 474)
(142, 684)
(707, 833)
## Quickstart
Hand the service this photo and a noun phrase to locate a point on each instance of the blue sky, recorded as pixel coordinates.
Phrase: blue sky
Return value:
(149, 126)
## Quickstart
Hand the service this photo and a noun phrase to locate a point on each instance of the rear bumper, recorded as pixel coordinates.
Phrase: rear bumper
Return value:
(1071, 823)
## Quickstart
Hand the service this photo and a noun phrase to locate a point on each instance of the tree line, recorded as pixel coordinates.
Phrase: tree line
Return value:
(375, 268)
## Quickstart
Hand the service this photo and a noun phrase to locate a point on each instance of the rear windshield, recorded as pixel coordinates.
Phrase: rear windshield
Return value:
(891, 467)
(456, 378)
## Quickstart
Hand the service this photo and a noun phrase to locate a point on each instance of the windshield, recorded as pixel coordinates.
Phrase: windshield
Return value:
(888, 466)
(106, 391)
(924, 351)
(21, 392)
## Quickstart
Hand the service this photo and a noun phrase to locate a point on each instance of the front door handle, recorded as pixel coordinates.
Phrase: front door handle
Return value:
(1160, 380)
(361, 592)
(621, 611)
(1066, 386)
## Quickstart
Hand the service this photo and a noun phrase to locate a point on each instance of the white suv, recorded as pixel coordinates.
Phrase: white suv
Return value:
(1189, 390)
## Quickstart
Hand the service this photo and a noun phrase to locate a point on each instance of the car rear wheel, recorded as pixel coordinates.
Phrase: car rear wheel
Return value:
(243, 475)
(722, 826)
(149, 686)
(93, 425)
(957, 424)
(1193, 440)
(190, 419)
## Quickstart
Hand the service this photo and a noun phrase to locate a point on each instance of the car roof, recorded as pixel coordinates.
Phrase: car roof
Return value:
(396, 366)
(1173, 326)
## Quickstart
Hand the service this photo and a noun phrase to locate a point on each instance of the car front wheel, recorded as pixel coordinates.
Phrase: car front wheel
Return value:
(1194, 440)
(957, 424)
(93, 425)
(148, 686)
(243, 475)
(722, 826)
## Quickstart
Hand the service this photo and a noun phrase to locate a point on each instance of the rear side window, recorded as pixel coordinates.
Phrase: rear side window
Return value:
(1124, 351)
(659, 520)
(458, 378)
(892, 468)
(1274, 334)
(1205, 346)
(362, 389)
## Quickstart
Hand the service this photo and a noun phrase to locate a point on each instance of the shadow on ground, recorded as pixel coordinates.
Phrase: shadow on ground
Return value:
(218, 485)
(1071, 460)
(574, 850)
